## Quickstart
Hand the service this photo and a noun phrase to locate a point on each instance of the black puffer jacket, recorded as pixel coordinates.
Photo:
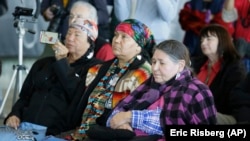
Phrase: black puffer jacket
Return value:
(49, 89)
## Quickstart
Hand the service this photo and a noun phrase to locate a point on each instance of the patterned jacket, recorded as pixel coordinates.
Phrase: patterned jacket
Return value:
(137, 73)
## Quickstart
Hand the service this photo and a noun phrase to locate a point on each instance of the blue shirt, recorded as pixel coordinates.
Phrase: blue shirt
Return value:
(147, 121)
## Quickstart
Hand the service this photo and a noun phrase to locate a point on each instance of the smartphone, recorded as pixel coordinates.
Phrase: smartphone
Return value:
(48, 37)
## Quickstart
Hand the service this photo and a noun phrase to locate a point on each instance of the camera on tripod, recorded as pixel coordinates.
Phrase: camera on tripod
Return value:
(21, 11)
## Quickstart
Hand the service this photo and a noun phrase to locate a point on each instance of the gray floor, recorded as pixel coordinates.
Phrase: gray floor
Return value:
(5, 79)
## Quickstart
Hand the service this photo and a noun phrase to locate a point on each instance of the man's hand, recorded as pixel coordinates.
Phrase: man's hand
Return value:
(48, 14)
(13, 121)
(60, 50)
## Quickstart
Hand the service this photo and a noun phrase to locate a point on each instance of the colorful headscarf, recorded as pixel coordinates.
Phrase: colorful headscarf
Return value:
(139, 32)
(88, 26)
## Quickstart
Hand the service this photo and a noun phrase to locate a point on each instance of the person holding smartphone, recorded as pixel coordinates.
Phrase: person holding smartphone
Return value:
(52, 82)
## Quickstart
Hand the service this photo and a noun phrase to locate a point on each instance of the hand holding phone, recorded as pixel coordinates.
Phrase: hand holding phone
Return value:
(48, 37)
(61, 51)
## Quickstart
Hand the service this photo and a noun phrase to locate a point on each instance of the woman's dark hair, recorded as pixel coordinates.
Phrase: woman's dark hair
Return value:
(226, 48)
(176, 50)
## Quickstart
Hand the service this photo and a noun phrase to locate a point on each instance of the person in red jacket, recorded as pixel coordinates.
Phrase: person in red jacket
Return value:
(195, 15)
(239, 12)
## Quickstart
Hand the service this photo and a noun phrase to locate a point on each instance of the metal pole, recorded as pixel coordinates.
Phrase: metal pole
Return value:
(20, 53)
(8, 91)
(17, 68)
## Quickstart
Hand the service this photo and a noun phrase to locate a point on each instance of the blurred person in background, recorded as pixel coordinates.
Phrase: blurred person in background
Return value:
(220, 67)
(238, 11)
(197, 14)
(57, 13)
(156, 14)
(3, 7)
(84, 10)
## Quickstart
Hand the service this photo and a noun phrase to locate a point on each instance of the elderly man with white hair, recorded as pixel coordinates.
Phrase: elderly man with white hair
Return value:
(51, 85)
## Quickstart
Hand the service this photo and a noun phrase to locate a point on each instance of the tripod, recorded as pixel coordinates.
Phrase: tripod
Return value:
(17, 74)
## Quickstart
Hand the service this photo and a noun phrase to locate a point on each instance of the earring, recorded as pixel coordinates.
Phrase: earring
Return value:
(91, 54)
(138, 57)
(177, 75)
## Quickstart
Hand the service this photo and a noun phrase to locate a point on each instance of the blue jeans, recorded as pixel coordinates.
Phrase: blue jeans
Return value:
(25, 132)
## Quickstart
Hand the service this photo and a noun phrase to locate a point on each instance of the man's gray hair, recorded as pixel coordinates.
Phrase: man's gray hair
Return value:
(92, 9)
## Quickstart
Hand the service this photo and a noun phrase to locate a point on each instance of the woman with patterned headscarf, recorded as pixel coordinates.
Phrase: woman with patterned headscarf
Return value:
(48, 90)
(115, 79)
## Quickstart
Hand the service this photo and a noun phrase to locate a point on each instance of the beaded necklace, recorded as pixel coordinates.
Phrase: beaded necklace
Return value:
(114, 73)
